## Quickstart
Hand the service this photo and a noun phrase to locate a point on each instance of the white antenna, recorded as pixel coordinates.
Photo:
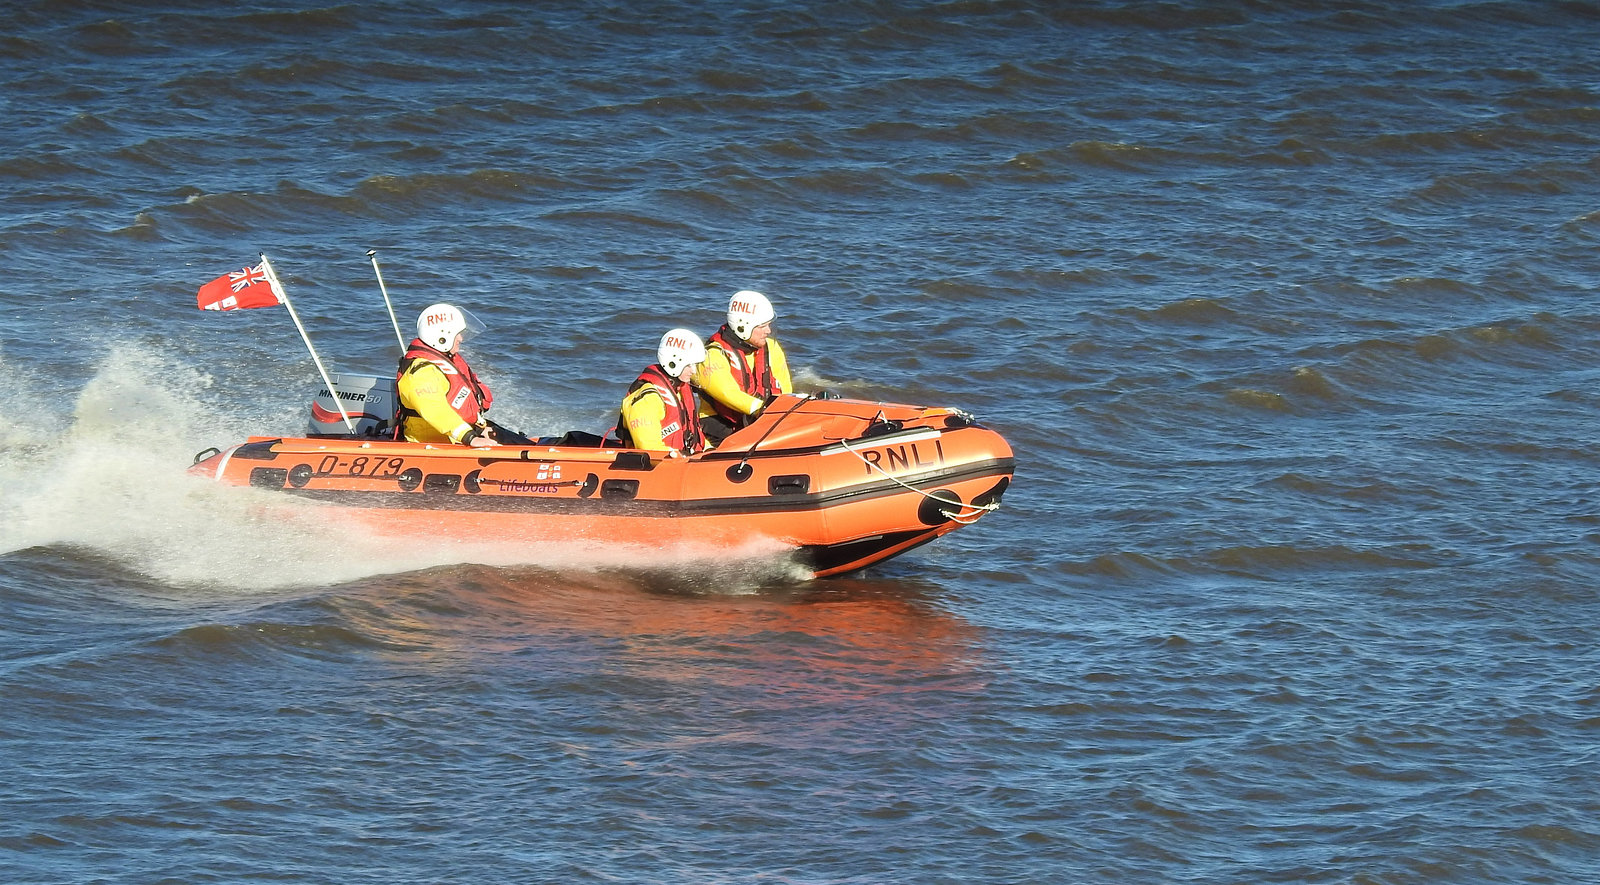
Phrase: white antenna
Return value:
(373, 254)
(277, 289)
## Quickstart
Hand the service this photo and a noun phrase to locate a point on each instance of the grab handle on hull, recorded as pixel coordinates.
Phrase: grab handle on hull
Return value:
(633, 461)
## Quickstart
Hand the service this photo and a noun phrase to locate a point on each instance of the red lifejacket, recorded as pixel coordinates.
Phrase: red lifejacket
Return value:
(755, 380)
(680, 426)
(467, 395)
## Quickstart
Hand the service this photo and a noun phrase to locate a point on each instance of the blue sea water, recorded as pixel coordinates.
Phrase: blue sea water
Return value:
(1286, 308)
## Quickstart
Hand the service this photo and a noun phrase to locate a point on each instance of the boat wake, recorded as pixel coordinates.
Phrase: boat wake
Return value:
(110, 477)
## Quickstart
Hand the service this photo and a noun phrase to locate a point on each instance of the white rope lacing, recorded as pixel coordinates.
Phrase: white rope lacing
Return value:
(977, 510)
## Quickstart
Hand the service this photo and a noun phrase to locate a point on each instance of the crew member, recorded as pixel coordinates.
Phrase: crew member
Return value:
(659, 412)
(441, 399)
(744, 368)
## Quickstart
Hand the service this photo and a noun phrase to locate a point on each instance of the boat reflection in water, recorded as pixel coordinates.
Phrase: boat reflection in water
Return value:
(641, 634)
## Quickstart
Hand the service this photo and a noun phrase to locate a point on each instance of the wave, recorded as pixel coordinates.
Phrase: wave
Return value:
(50, 167)
(1278, 558)
(13, 47)
(269, 642)
(1537, 182)
(428, 190)
(616, 219)
(293, 205)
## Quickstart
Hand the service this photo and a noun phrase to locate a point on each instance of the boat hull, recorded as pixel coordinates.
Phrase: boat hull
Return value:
(843, 483)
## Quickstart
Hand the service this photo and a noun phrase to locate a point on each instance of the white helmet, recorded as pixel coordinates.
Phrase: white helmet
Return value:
(746, 310)
(439, 324)
(679, 348)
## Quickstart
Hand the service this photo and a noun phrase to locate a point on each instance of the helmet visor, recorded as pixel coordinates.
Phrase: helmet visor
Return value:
(473, 326)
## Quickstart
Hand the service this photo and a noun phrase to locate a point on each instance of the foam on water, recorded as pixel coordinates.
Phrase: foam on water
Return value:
(112, 479)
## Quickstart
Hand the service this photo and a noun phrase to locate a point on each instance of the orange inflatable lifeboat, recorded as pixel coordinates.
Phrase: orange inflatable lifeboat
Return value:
(846, 483)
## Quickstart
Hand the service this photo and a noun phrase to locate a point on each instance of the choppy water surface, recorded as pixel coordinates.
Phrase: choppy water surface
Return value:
(1287, 308)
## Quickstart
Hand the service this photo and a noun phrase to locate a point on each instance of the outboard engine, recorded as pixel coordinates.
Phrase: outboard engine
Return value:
(369, 400)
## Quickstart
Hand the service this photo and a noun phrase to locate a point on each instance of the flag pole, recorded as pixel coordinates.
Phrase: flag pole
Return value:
(277, 289)
(373, 254)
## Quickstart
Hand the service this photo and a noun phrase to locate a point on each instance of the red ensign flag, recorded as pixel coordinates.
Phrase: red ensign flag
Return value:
(238, 290)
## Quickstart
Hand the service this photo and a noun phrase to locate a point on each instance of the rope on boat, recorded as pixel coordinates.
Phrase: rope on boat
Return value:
(978, 510)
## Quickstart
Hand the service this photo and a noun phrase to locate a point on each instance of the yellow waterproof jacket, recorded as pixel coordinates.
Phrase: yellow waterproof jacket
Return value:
(423, 390)
(658, 415)
(715, 378)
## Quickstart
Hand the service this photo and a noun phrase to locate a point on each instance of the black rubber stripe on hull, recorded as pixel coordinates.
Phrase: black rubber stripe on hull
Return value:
(378, 500)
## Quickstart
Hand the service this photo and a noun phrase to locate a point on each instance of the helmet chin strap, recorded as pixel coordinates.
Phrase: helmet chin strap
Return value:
(742, 339)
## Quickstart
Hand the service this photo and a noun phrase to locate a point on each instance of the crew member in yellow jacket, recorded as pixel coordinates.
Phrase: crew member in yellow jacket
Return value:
(744, 367)
(658, 413)
(441, 399)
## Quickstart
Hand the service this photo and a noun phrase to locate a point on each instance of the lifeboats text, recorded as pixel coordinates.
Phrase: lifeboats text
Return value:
(523, 487)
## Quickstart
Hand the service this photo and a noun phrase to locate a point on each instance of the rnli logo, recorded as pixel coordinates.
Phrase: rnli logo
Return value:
(434, 319)
(675, 341)
(897, 459)
(668, 429)
(461, 397)
(549, 472)
(744, 308)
